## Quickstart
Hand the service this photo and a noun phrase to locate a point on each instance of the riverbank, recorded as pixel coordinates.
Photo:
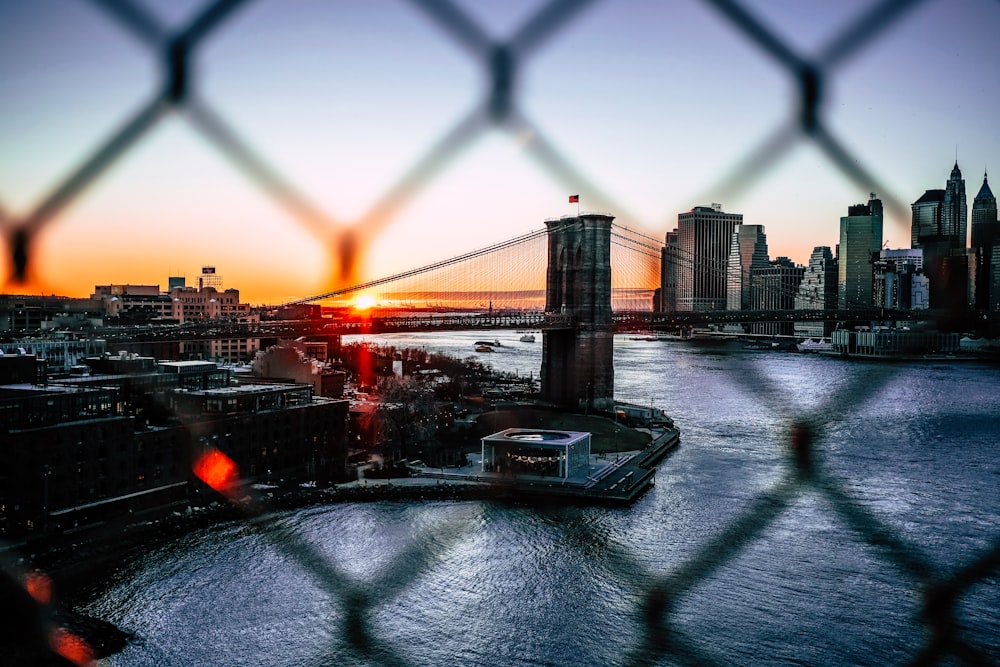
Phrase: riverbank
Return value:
(79, 570)
(79, 565)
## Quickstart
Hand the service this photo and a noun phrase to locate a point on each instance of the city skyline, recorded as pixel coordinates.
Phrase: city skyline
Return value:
(342, 100)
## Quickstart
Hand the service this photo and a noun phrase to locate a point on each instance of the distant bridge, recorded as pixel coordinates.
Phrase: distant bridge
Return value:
(502, 286)
(536, 320)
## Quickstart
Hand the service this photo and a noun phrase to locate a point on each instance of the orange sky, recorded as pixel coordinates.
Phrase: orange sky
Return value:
(347, 104)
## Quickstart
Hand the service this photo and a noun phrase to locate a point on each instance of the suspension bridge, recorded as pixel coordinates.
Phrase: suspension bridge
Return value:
(580, 280)
(504, 285)
(507, 276)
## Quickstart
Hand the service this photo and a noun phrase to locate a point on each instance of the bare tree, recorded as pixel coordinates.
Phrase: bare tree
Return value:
(405, 417)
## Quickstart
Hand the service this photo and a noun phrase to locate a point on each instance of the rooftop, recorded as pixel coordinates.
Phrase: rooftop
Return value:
(537, 437)
(931, 196)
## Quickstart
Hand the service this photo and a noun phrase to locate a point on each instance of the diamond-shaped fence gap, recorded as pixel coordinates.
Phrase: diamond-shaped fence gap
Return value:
(339, 94)
(635, 269)
(743, 176)
(563, 170)
(793, 225)
(490, 170)
(412, 562)
(408, 186)
(166, 184)
(479, 573)
(834, 579)
(510, 280)
(661, 634)
(653, 102)
(803, 430)
(810, 80)
(894, 547)
(897, 494)
(51, 61)
(411, 558)
(765, 501)
(761, 432)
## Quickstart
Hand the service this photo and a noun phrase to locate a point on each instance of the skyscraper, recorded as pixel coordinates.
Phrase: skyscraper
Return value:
(748, 251)
(985, 239)
(954, 212)
(704, 237)
(926, 217)
(947, 263)
(860, 241)
(817, 291)
(984, 207)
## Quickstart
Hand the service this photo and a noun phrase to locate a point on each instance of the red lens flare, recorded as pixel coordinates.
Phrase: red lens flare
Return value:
(72, 648)
(39, 586)
(217, 470)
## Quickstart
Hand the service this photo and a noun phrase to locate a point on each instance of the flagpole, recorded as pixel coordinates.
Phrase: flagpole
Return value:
(575, 199)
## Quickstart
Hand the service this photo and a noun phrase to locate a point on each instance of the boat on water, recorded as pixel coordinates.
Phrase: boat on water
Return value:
(528, 338)
(481, 347)
(762, 345)
(488, 343)
(814, 345)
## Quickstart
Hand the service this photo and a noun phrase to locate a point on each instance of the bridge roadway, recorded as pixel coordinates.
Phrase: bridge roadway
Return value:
(536, 320)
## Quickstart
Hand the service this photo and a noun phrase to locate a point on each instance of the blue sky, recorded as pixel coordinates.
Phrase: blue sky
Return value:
(653, 103)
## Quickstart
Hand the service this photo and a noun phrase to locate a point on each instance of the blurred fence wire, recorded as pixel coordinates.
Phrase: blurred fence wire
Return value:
(503, 62)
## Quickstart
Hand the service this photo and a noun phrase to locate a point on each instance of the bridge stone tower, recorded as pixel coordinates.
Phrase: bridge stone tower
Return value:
(577, 343)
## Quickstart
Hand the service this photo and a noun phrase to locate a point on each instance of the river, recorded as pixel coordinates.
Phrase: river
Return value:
(914, 446)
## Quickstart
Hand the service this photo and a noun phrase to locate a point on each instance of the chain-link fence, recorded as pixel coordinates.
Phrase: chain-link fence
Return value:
(176, 52)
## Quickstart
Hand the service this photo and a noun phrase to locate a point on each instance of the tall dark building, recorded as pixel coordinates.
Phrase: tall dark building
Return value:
(954, 211)
(942, 215)
(940, 228)
(984, 207)
(985, 239)
(926, 217)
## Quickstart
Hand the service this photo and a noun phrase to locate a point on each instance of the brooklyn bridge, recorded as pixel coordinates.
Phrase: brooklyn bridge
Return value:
(507, 286)
(579, 280)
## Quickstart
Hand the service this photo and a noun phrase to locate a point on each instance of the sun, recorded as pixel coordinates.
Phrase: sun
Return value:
(364, 302)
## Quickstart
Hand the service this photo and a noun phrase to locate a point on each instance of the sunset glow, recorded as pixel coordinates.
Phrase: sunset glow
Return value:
(349, 103)
(364, 302)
